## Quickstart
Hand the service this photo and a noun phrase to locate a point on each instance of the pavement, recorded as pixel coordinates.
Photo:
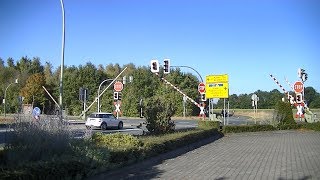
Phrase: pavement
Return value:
(277, 155)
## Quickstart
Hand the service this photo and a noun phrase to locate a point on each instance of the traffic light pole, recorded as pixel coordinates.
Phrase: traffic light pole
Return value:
(192, 69)
(102, 92)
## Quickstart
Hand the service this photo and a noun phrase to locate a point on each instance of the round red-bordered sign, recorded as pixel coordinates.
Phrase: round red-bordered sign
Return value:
(118, 86)
(298, 87)
(201, 88)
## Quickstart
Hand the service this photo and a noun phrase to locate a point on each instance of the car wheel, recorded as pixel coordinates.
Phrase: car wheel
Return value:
(88, 127)
(120, 125)
(104, 126)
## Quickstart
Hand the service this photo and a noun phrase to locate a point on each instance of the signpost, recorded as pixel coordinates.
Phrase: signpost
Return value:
(202, 88)
(117, 105)
(255, 100)
(298, 87)
(217, 86)
(118, 86)
(36, 113)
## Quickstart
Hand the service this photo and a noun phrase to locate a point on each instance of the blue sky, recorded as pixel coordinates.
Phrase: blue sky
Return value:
(246, 39)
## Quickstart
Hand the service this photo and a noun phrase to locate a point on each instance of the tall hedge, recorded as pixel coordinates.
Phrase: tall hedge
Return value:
(283, 113)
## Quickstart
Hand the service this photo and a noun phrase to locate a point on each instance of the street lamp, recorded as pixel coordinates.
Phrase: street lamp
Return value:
(124, 79)
(99, 93)
(5, 94)
(62, 58)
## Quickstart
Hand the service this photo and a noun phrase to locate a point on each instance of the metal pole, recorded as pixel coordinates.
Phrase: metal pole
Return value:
(5, 95)
(62, 57)
(192, 69)
(4, 102)
(103, 91)
(184, 106)
(85, 99)
(224, 110)
(118, 111)
(228, 113)
(98, 97)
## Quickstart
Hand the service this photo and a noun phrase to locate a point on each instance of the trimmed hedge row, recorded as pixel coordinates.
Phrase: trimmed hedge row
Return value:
(203, 124)
(311, 126)
(149, 146)
(247, 128)
(255, 128)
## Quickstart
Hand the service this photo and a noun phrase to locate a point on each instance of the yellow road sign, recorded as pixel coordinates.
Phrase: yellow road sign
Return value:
(217, 78)
(217, 86)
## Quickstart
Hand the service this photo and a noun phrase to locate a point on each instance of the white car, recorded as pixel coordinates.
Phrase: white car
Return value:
(103, 120)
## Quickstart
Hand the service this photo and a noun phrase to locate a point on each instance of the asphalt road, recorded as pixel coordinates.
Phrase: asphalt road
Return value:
(131, 126)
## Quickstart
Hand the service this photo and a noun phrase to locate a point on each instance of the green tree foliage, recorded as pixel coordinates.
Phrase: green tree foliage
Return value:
(33, 92)
(267, 100)
(145, 85)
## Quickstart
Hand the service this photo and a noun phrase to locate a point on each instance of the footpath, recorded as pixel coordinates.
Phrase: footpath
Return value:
(277, 155)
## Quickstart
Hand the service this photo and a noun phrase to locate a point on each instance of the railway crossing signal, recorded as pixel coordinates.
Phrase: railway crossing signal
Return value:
(166, 66)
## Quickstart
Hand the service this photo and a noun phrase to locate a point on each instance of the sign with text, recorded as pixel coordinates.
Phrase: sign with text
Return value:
(217, 86)
(217, 78)
(298, 87)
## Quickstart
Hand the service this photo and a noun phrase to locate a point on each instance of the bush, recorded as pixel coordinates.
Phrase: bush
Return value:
(283, 113)
(116, 140)
(158, 114)
(124, 148)
(203, 124)
(34, 141)
(46, 150)
(312, 126)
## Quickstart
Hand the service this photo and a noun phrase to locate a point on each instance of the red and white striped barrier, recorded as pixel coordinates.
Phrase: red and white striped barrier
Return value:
(291, 98)
(177, 89)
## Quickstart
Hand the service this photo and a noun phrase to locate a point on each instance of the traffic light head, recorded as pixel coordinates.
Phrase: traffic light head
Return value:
(304, 77)
(166, 66)
(203, 97)
(119, 95)
(115, 95)
(154, 66)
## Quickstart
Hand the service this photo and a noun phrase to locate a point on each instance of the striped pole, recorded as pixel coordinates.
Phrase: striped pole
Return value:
(177, 89)
(277, 82)
(290, 98)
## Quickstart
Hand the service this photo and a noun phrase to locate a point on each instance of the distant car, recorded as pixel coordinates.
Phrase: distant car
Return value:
(103, 120)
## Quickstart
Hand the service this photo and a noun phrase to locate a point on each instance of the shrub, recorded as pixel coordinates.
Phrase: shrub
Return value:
(116, 140)
(34, 141)
(203, 124)
(313, 126)
(158, 114)
(283, 113)
(124, 148)
(46, 150)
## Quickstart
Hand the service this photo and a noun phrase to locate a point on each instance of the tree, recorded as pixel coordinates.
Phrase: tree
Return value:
(10, 62)
(33, 91)
(310, 95)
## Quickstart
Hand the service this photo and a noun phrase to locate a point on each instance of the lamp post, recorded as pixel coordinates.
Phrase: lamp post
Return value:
(192, 69)
(62, 58)
(99, 93)
(124, 79)
(5, 94)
